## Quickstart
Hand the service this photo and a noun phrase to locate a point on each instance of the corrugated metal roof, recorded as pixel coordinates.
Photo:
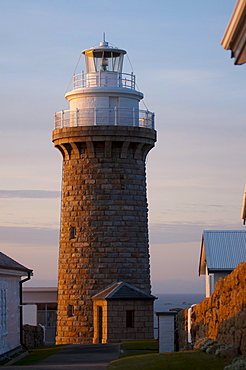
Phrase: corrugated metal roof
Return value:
(224, 249)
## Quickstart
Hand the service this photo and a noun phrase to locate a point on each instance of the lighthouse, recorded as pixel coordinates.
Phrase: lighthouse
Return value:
(104, 291)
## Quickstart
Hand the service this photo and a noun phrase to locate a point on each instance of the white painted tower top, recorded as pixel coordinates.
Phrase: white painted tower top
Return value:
(104, 95)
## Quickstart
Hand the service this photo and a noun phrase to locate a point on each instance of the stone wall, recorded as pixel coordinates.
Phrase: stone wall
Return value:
(104, 226)
(33, 336)
(182, 323)
(143, 320)
(222, 316)
(114, 328)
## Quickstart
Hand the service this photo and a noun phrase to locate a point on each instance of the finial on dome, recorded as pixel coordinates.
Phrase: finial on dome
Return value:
(104, 43)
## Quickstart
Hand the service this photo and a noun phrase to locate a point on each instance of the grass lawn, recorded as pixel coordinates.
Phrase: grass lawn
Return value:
(190, 360)
(142, 356)
(37, 354)
(140, 345)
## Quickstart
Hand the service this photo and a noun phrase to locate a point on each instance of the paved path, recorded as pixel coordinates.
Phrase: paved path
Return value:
(78, 356)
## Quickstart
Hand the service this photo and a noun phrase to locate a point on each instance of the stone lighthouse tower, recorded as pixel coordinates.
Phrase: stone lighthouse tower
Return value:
(104, 138)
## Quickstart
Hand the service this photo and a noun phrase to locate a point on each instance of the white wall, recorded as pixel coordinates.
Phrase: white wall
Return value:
(29, 314)
(39, 295)
(9, 313)
(166, 333)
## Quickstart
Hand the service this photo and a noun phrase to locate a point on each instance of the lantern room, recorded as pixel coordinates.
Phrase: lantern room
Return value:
(104, 58)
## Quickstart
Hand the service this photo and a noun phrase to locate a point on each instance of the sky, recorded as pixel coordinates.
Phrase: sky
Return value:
(196, 172)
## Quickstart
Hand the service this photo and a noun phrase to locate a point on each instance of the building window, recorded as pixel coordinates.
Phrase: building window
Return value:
(46, 314)
(70, 310)
(130, 318)
(72, 232)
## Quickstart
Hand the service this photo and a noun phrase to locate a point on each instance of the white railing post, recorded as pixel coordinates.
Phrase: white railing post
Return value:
(115, 116)
(95, 116)
(132, 81)
(62, 118)
(82, 80)
(77, 117)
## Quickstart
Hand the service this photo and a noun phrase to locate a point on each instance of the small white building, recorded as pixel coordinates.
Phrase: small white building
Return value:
(221, 252)
(166, 331)
(39, 308)
(11, 303)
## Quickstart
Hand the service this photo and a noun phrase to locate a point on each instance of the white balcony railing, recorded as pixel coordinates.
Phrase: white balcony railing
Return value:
(104, 117)
(104, 79)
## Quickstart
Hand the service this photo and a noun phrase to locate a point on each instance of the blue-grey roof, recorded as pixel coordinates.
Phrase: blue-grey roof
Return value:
(222, 250)
(123, 290)
(8, 263)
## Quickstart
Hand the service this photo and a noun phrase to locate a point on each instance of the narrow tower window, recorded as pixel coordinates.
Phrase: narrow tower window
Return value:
(70, 310)
(72, 232)
(130, 318)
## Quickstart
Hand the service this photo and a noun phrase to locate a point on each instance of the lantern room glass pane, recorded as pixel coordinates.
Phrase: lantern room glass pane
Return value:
(104, 60)
(90, 64)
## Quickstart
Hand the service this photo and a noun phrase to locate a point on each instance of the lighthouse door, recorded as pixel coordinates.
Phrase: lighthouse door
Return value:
(100, 321)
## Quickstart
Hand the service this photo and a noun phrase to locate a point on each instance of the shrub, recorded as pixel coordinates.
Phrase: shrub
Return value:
(239, 363)
(213, 348)
(228, 351)
(208, 343)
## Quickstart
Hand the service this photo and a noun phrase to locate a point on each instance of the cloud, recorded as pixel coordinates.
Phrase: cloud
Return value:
(185, 232)
(29, 236)
(35, 194)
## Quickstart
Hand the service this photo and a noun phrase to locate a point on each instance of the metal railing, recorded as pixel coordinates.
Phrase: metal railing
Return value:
(104, 117)
(104, 79)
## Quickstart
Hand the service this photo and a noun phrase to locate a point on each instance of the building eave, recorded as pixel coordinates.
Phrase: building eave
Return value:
(233, 24)
(243, 216)
(39, 289)
(234, 38)
(216, 270)
(202, 262)
(15, 272)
